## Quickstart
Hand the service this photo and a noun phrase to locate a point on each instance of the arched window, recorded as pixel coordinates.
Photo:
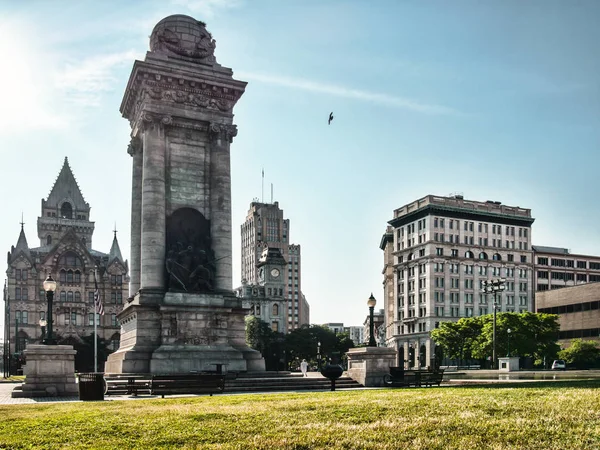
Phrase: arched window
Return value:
(77, 296)
(70, 296)
(77, 276)
(483, 255)
(63, 296)
(48, 240)
(497, 257)
(66, 211)
(275, 309)
(63, 276)
(70, 259)
(469, 254)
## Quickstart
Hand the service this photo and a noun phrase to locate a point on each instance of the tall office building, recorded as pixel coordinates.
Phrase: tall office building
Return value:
(266, 227)
(437, 253)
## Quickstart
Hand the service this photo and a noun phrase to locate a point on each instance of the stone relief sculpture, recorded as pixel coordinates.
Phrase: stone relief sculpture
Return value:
(190, 261)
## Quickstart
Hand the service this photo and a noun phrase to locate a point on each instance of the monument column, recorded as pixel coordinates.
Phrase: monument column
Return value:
(220, 202)
(153, 213)
(135, 150)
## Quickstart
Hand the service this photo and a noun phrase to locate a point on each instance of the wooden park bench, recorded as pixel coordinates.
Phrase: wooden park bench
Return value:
(399, 377)
(192, 383)
(127, 384)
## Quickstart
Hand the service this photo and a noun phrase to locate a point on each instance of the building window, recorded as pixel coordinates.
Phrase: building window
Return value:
(469, 254)
(113, 320)
(581, 265)
(439, 251)
(77, 296)
(18, 293)
(483, 255)
(523, 258)
(73, 318)
(70, 296)
(63, 296)
(275, 309)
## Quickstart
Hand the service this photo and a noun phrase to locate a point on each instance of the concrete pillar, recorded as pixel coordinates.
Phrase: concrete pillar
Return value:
(220, 203)
(135, 150)
(153, 214)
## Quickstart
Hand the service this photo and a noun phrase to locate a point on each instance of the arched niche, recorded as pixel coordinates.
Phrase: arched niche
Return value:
(190, 261)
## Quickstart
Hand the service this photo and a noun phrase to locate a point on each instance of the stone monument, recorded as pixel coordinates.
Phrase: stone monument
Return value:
(182, 314)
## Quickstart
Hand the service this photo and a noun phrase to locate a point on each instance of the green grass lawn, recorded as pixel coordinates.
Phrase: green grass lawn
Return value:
(559, 415)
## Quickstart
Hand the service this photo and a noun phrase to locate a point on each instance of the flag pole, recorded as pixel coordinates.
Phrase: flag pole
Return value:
(95, 327)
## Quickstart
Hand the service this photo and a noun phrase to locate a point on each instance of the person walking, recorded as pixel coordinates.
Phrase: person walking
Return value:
(304, 367)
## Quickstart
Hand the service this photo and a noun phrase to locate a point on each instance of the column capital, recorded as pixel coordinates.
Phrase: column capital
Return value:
(148, 120)
(222, 131)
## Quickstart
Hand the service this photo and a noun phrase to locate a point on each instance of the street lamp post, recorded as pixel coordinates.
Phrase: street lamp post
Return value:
(493, 287)
(371, 303)
(508, 333)
(49, 287)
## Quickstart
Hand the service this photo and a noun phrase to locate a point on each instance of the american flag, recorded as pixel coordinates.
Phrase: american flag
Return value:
(97, 301)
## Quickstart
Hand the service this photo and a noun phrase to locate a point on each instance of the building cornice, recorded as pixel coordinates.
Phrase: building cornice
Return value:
(460, 213)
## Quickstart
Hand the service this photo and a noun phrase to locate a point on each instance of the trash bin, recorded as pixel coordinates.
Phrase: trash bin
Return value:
(91, 386)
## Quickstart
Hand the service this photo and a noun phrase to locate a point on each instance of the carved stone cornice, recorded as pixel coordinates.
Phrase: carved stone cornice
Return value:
(200, 95)
(222, 131)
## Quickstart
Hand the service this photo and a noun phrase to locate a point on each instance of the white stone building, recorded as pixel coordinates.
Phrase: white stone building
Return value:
(437, 252)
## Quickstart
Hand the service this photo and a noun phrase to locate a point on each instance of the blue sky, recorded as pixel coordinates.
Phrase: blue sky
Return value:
(495, 100)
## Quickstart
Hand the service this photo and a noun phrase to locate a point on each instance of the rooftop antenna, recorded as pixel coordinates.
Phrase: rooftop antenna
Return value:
(22, 222)
(115, 230)
(263, 186)
(271, 192)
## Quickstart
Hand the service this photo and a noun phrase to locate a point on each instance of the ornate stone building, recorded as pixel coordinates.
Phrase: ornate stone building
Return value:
(265, 299)
(65, 251)
(265, 226)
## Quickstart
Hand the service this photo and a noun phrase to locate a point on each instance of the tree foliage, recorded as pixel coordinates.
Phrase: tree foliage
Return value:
(532, 334)
(581, 354)
(299, 344)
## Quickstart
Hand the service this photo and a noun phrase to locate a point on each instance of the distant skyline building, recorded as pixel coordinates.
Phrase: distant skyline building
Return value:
(65, 251)
(557, 267)
(265, 227)
(437, 253)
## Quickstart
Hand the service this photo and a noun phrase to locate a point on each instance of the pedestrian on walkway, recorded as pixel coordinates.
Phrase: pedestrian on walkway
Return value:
(304, 367)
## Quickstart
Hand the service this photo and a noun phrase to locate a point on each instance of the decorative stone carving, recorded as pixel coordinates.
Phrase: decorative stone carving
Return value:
(215, 99)
(147, 119)
(222, 131)
(183, 36)
(135, 146)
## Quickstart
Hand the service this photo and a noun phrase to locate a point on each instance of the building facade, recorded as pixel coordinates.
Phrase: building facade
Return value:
(557, 268)
(265, 299)
(437, 253)
(265, 227)
(578, 309)
(65, 251)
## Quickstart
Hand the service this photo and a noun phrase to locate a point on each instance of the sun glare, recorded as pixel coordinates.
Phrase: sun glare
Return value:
(25, 101)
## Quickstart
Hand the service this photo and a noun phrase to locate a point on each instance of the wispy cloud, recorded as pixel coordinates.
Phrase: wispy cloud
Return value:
(86, 81)
(207, 8)
(342, 91)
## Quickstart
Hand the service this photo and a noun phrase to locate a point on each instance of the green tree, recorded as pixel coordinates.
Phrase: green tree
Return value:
(581, 354)
(269, 343)
(532, 334)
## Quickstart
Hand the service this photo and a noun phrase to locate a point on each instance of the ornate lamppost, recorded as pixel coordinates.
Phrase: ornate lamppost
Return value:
(508, 333)
(49, 287)
(493, 287)
(371, 303)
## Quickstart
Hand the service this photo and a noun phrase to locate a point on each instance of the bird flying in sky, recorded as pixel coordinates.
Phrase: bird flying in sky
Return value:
(330, 118)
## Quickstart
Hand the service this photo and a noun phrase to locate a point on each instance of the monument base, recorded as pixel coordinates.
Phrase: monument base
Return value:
(182, 333)
(368, 365)
(49, 372)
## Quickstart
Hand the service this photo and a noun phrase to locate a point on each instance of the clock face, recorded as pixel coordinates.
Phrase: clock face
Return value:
(274, 273)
